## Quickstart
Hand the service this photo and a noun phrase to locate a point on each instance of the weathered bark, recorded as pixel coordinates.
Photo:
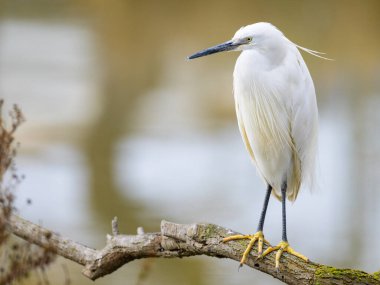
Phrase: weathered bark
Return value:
(177, 240)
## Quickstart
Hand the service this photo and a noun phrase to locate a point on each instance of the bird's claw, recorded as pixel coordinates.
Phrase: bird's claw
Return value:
(257, 237)
(282, 247)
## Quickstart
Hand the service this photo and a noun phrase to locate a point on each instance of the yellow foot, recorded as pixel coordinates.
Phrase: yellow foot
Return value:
(283, 246)
(259, 237)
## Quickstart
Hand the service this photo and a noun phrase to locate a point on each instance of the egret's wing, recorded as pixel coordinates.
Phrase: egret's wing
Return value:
(264, 126)
(243, 131)
(277, 116)
(247, 143)
(304, 122)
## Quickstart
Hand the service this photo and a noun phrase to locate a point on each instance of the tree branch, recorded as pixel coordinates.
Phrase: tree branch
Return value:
(178, 240)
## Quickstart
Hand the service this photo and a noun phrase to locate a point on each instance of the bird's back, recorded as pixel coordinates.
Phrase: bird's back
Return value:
(277, 115)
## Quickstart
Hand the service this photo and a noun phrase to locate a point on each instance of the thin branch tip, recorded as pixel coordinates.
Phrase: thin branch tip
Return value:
(140, 231)
(180, 240)
(115, 226)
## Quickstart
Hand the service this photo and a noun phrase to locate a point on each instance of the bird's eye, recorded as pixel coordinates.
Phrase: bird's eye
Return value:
(249, 39)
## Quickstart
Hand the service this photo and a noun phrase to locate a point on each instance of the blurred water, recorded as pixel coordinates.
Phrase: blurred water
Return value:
(179, 156)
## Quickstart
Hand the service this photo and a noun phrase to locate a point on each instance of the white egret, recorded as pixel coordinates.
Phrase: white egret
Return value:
(277, 114)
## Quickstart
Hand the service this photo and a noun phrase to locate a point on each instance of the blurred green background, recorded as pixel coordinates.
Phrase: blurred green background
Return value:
(120, 124)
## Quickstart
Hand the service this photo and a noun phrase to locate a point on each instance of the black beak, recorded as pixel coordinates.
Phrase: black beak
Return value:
(227, 46)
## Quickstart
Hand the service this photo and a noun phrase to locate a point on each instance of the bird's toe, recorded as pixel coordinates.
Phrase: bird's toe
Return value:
(282, 247)
(255, 238)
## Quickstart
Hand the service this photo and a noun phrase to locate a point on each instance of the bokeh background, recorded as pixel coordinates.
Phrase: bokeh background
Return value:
(120, 124)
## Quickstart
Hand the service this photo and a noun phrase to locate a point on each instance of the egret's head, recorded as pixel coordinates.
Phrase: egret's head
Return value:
(256, 36)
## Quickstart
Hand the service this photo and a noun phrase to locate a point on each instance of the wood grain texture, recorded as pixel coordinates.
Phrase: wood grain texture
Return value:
(181, 240)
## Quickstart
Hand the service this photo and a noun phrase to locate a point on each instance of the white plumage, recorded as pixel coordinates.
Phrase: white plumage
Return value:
(277, 114)
(276, 108)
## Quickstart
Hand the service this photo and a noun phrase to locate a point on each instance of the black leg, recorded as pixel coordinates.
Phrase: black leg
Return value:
(283, 246)
(264, 210)
(283, 197)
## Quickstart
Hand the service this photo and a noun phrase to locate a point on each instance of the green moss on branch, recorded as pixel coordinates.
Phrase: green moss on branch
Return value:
(327, 274)
(376, 275)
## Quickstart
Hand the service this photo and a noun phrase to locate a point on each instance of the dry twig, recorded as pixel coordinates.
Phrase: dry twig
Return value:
(175, 241)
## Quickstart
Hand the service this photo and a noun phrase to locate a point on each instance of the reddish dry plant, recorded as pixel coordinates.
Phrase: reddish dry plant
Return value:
(7, 154)
(17, 258)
